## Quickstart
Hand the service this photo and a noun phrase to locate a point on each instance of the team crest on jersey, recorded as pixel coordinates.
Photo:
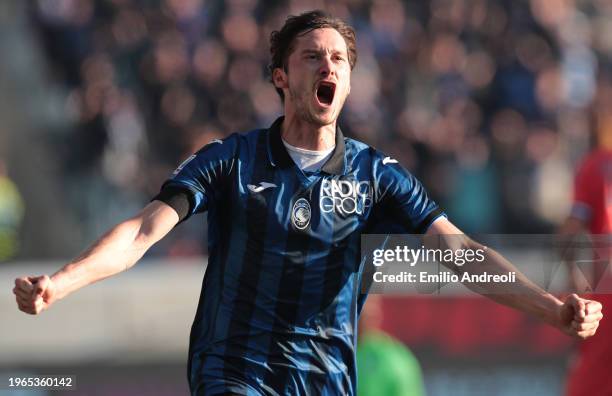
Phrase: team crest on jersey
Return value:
(301, 213)
(345, 197)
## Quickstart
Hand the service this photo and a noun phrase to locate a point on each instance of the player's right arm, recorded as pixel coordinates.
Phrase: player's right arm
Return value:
(196, 183)
(116, 251)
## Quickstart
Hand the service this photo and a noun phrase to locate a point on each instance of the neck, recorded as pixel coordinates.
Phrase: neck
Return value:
(302, 134)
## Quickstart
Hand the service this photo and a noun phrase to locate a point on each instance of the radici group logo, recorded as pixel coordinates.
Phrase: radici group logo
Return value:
(345, 197)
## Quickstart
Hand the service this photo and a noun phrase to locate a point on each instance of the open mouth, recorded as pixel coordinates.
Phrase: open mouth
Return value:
(325, 92)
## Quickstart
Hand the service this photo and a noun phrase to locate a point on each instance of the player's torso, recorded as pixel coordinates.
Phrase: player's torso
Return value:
(290, 254)
(284, 270)
(321, 207)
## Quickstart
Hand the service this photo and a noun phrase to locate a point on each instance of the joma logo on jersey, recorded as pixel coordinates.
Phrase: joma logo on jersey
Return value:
(345, 197)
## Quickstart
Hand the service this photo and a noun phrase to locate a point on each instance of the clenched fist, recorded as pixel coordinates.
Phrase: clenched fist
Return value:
(34, 293)
(580, 317)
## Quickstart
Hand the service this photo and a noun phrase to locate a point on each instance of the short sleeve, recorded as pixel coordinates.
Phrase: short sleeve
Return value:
(199, 180)
(401, 197)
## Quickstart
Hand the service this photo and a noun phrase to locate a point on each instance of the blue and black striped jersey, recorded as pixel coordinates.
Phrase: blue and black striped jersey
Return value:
(281, 295)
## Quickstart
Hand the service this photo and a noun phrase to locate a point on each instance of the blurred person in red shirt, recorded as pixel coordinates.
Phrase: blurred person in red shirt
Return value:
(592, 211)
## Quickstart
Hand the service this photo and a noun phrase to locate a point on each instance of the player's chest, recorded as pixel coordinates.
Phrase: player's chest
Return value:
(296, 203)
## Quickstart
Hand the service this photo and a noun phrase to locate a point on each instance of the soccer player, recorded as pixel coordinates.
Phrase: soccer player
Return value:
(592, 212)
(286, 207)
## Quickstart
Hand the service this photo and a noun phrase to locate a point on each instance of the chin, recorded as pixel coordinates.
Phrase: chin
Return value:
(324, 119)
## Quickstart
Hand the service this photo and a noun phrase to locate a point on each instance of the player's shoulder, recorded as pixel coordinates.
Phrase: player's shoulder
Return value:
(218, 144)
(232, 143)
(355, 145)
(362, 151)
(252, 134)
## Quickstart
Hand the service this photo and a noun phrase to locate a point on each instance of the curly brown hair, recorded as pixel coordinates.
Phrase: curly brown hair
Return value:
(281, 41)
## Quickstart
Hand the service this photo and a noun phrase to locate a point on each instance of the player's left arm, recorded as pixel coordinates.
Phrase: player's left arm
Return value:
(574, 316)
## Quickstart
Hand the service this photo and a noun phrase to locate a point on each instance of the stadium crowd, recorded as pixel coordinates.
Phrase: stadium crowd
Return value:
(489, 103)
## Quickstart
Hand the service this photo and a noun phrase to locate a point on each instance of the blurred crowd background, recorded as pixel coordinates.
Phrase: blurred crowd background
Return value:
(490, 103)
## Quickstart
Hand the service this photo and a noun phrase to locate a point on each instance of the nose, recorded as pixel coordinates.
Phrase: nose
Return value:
(327, 67)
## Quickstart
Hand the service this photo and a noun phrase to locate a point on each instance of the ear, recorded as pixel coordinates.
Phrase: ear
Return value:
(280, 78)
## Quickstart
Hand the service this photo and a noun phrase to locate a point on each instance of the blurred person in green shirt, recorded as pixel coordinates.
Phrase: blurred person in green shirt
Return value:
(385, 366)
(11, 214)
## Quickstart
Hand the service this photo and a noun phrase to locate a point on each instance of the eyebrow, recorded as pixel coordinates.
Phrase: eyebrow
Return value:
(318, 51)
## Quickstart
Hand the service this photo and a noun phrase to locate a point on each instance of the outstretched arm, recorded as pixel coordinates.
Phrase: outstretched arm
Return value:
(116, 251)
(575, 316)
